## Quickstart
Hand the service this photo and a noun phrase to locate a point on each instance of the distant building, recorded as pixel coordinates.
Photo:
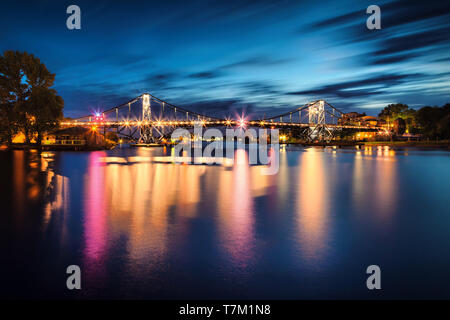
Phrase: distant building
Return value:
(351, 118)
(73, 138)
(359, 119)
(369, 121)
(364, 135)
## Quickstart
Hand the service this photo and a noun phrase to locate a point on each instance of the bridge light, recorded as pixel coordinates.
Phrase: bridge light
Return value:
(98, 117)
(241, 122)
(228, 122)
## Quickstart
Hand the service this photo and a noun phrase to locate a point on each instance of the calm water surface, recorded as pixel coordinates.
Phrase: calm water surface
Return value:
(140, 229)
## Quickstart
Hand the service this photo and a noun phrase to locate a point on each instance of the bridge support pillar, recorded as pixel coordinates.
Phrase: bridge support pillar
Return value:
(146, 131)
(318, 128)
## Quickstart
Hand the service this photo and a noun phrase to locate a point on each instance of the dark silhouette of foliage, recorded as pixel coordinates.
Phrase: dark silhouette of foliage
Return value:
(399, 111)
(434, 122)
(27, 102)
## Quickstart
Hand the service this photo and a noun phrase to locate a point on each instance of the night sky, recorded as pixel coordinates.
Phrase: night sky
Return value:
(219, 56)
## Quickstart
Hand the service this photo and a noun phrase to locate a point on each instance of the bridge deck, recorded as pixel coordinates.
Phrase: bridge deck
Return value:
(206, 123)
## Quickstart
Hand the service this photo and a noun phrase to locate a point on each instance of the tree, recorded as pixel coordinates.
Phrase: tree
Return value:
(399, 111)
(392, 112)
(27, 102)
(434, 122)
(12, 94)
(45, 108)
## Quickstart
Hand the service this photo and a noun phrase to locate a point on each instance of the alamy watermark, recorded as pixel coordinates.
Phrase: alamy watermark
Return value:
(374, 20)
(74, 280)
(374, 280)
(74, 20)
(221, 150)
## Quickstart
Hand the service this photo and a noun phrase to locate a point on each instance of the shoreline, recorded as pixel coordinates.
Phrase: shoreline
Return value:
(442, 145)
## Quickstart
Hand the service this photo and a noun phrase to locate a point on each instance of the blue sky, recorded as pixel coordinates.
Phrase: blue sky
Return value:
(219, 56)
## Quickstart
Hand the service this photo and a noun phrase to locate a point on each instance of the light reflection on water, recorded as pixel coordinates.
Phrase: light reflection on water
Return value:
(237, 212)
(143, 229)
(312, 206)
(95, 229)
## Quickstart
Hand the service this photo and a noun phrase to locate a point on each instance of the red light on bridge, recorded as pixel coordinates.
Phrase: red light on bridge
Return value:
(242, 123)
(99, 117)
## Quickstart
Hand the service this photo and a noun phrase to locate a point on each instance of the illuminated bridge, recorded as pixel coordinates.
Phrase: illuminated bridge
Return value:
(148, 119)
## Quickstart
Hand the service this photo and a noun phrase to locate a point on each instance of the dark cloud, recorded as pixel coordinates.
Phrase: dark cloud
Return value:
(160, 80)
(205, 75)
(355, 88)
(405, 26)
(394, 59)
(393, 14)
(352, 17)
(260, 61)
(414, 41)
(442, 59)
(408, 11)
(221, 108)
(258, 88)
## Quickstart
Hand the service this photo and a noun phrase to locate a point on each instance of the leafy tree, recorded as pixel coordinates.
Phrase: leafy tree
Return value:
(399, 111)
(444, 126)
(27, 102)
(12, 94)
(392, 112)
(409, 115)
(45, 108)
(434, 122)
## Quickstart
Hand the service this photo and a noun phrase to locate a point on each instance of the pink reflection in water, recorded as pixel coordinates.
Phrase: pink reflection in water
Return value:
(95, 214)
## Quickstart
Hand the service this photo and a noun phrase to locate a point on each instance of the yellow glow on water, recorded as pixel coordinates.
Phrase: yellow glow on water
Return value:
(235, 208)
(312, 209)
(19, 180)
(385, 185)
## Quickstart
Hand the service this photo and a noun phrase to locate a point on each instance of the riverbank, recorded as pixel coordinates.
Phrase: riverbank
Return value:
(65, 147)
(419, 144)
(445, 144)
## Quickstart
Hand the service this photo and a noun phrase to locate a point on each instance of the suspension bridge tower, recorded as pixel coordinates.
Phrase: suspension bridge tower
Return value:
(319, 129)
(146, 130)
